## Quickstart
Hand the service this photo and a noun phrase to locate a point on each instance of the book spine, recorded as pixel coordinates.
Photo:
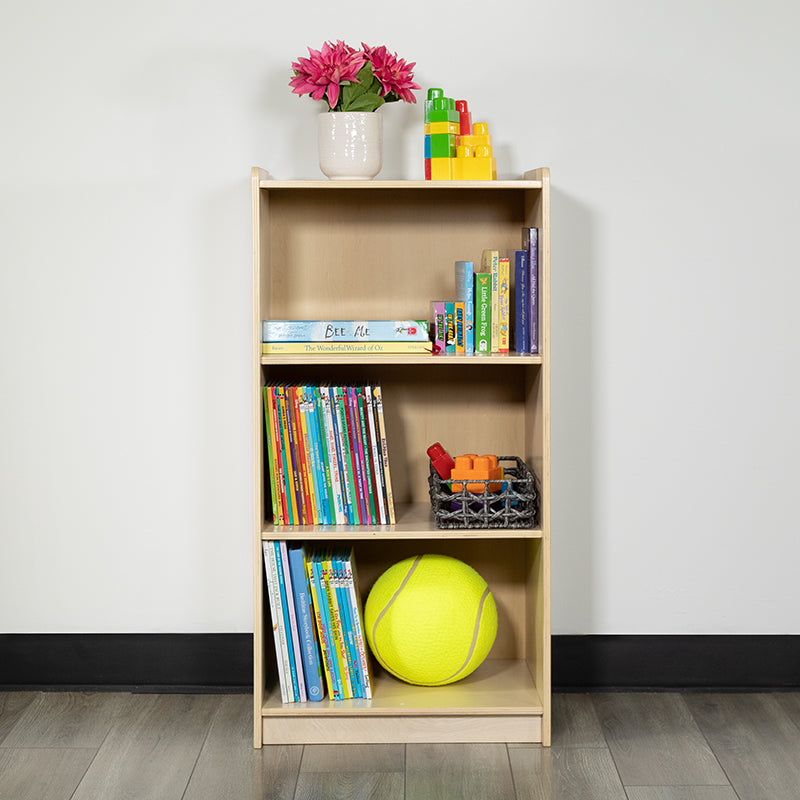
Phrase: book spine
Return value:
(380, 491)
(297, 653)
(357, 614)
(342, 453)
(271, 456)
(460, 343)
(290, 475)
(438, 326)
(522, 333)
(490, 262)
(504, 298)
(483, 313)
(369, 487)
(299, 445)
(336, 626)
(298, 348)
(465, 292)
(530, 242)
(450, 327)
(309, 646)
(323, 457)
(276, 613)
(286, 625)
(333, 459)
(381, 330)
(354, 441)
(320, 608)
(353, 662)
(378, 395)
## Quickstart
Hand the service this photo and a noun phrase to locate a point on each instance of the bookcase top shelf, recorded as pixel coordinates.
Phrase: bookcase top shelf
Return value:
(275, 185)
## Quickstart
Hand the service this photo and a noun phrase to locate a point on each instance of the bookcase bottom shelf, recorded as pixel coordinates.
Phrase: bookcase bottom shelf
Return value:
(497, 703)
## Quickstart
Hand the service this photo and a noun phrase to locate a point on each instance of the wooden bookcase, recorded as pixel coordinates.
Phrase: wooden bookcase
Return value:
(383, 250)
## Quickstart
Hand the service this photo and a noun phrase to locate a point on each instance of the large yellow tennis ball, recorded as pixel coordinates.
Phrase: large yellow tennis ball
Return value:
(430, 620)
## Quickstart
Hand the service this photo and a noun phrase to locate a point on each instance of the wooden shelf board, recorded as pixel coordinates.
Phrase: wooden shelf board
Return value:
(497, 688)
(400, 359)
(316, 185)
(413, 522)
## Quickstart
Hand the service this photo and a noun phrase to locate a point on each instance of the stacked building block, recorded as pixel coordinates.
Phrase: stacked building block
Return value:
(455, 149)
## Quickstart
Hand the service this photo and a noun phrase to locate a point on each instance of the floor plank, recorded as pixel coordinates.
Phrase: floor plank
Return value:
(681, 793)
(575, 722)
(349, 786)
(655, 741)
(42, 773)
(458, 772)
(229, 765)
(151, 755)
(12, 706)
(67, 719)
(756, 741)
(357, 757)
(565, 773)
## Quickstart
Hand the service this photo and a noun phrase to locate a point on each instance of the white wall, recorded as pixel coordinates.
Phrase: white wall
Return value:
(671, 130)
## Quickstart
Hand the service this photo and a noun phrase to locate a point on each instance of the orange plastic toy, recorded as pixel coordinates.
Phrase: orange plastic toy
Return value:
(483, 468)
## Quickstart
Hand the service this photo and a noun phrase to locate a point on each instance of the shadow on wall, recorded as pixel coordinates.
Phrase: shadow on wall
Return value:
(573, 423)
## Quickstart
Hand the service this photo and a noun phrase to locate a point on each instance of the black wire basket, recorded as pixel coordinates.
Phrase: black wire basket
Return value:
(515, 505)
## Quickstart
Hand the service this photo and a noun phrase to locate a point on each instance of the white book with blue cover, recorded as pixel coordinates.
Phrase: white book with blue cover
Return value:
(344, 330)
(465, 293)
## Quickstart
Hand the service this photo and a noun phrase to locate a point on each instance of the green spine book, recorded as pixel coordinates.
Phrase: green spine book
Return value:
(483, 313)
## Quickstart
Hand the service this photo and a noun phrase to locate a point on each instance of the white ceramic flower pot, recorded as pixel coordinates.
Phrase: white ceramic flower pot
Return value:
(350, 144)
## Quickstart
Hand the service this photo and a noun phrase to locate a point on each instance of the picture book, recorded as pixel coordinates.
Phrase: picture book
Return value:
(290, 618)
(490, 262)
(483, 313)
(381, 330)
(504, 298)
(450, 327)
(530, 243)
(465, 293)
(522, 333)
(438, 326)
(298, 348)
(378, 395)
(460, 344)
(278, 625)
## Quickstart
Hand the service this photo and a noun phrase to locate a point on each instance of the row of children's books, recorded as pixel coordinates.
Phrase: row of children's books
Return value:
(327, 455)
(317, 622)
(481, 318)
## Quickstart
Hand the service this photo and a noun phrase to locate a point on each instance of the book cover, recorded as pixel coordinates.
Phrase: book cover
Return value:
(298, 348)
(483, 313)
(522, 334)
(295, 652)
(273, 595)
(348, 635)
(344, 330)
(387, 478)
(490, 262)
(465, 293)
(450, 327)
(504, 303)
(530, 242)
(307, 631)
(460, 343)
(438, 326)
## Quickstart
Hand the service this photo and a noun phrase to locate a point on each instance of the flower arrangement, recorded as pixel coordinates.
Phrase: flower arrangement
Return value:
(353, 80)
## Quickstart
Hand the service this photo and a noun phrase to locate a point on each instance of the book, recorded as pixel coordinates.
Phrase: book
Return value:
(522, 331)
(344, 449)
(357, 616)
(278, 628)
(377, 394)
(306, 626)
(530, 243)
(465, 293)
(503, 305)
(369, 471)
(377, 461)
(272, 457)
(323, 626)
(354, 433)
(297, 348)
(450, 327)
(490, 262)
(483, 313)
(460, 343)
(290, 620)
(381, 330)
(438, 326)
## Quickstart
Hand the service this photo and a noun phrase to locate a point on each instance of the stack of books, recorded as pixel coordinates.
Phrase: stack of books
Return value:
(480, 317)
(327, 455)
(284, 336)
(317, 622)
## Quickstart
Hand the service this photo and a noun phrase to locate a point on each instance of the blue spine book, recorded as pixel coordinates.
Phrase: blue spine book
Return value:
(343, 600)
(530, 242)
(522, 330)
(309, 646)
(336, 690)
(344, 330)
(286, 624)
(465, 293)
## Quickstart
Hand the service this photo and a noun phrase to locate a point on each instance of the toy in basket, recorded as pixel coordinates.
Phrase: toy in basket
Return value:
(487, 491)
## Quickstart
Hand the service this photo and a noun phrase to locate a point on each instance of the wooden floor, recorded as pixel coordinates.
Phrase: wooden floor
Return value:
(626, 746)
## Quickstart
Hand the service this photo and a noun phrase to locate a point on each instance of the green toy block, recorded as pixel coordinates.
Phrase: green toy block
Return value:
(440, 145)
(442, 115)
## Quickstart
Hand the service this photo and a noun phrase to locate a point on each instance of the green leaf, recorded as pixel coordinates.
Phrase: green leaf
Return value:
(365, 102)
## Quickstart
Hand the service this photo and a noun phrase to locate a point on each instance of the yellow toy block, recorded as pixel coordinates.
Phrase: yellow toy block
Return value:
(442, 169)
(474, 164)
(441, 127)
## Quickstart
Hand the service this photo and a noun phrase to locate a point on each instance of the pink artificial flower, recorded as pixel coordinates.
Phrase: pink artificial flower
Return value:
(325, 70)
(394, 74)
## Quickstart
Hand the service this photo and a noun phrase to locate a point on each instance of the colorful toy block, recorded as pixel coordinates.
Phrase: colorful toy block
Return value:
(478, 468)
(451, 136)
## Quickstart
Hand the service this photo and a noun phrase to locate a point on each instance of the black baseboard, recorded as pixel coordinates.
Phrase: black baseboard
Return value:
(132, 661)
(222, 662)
(675, 661)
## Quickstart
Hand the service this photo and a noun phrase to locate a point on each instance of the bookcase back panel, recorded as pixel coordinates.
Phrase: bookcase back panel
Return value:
(379, 254)
(468, 409)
